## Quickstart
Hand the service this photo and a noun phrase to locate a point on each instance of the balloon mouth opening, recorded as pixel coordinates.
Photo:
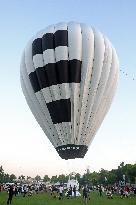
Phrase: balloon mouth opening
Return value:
(72, 151)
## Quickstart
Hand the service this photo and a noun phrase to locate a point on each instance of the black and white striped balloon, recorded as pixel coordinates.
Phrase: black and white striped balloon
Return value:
(69, 74)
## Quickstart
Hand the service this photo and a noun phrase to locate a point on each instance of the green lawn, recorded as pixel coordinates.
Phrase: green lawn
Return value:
(46, 199)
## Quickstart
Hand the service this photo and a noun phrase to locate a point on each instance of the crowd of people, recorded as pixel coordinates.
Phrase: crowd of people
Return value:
(123, 191)
(72, 192)
(108, 191)
(62, 191)
(13, 189)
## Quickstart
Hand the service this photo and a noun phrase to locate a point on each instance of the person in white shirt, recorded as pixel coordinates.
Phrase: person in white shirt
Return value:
(61, 192)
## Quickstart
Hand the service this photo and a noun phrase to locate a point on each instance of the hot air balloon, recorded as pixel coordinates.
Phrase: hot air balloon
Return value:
(69, 74)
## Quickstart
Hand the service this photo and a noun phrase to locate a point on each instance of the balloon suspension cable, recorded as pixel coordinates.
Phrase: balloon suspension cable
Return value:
(68, 167)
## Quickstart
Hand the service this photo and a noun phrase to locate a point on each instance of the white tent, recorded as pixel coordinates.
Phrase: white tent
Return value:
(72, 183)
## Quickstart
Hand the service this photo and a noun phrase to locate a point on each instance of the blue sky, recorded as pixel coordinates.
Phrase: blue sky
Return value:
(24, 147)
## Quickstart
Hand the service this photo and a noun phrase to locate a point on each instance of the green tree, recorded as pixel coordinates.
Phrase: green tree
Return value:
(6, 178)
(54, 179)
(28, 178)
(78, 176)
(37, 178)
(1, 174)
(1, 170)
(12, 177)
(46, 178)
(102, 175)
(131, 173)
(62, 178)
(111, 178)
(21, 177)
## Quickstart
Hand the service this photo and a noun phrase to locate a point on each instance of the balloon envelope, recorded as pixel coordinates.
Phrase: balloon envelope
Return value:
(69, 74)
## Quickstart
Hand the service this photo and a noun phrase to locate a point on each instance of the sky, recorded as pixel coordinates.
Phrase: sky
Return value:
(24, 148)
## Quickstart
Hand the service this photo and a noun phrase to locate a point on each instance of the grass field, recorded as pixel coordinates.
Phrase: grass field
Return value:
(46, 199)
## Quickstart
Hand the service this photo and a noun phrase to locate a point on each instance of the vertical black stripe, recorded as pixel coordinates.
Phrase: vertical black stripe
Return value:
(56, 73)
(50, 41)
(60, 110)
(37, 46)
(61, 38)
(75, 71)
(34, 82)
(62, 71)
(42, 78)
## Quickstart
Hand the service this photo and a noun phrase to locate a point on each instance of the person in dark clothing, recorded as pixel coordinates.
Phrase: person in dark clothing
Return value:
(70, 191)
(25, 190)
(16, 191)
(11, 193)
(134, 191)
(74, 190)
(69, 194)
(85, 194)
(122, 193)
(100, 191)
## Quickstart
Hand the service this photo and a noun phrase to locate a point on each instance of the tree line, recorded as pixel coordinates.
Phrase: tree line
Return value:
(124, 173)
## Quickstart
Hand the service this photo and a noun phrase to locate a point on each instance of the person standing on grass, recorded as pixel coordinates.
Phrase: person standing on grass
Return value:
(11, 193)
(74, 190)
(15, 190)
(122, 193)
(85, 194)
(70, 192)
(60, 192)
(25, 190)
(100, 191)
(134, 191)
(0, 187)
